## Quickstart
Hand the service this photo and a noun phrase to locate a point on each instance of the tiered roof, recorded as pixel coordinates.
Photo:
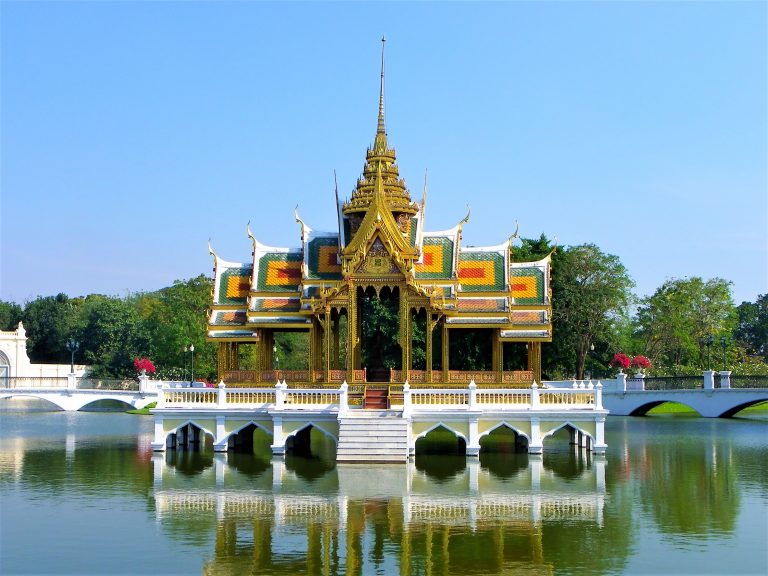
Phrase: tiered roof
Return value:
(471, 286)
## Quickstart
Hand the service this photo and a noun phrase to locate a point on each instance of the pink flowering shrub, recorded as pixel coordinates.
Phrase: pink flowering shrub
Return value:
(144, 365)
(641, 362)
(620, 360)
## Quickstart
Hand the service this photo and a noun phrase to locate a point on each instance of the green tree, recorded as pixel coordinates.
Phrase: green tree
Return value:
(175, 317)
(111, 335)
(675, 322)
(10, 315)
(752, 329)
(591, 293)
(49, 322)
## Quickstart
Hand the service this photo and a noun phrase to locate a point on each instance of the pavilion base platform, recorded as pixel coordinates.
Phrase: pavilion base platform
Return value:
(183, 416)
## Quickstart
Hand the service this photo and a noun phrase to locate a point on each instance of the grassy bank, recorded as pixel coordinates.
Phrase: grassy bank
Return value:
(143, 411)
(674, 408)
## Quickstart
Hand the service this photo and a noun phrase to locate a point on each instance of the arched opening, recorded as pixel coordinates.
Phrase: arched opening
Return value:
(310, 453)
(190, 438)
(667, 409)
(503, 440)
(311, 442)
(441, 454)
(5, 370)
(565, 439)
(441, 440)
(379, 332)
(251, 440)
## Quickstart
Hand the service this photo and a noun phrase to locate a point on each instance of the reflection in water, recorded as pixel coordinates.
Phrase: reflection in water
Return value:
(363, 518)
(690, 493)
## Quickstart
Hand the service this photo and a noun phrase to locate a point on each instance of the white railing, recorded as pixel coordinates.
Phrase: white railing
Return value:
(581, 396)
(278, 398)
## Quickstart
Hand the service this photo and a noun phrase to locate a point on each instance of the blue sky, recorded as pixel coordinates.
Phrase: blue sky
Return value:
(132, 132)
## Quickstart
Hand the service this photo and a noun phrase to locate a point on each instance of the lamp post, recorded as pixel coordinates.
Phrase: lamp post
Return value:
(73, 346)
(277, 359)
(709, 342)
(186, 349)
(192, 350)
(724, 344)
(591, 353)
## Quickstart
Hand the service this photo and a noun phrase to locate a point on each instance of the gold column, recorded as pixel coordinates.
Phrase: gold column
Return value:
(335, 364)
(498, 347)
(352, 331)
(428, 338)
(446, 355)
(327, 345)
(312, 349)
(534, 360)
(405, 333)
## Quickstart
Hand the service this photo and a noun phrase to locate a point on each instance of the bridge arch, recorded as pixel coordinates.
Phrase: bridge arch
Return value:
(731, 412)
(45, 398)
(643, 409)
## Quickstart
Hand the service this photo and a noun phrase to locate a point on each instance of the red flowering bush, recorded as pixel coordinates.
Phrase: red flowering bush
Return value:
(620, 360)
(641, 362)
(144, 365)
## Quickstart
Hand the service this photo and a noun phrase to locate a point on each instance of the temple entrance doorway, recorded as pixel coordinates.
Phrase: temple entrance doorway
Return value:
(380, 325)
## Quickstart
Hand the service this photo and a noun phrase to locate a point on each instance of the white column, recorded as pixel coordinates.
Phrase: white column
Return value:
(407, 400)
(221, 442)
(71, 382)
(599, 396)
(158, 445)
(472, 395)
(599, 446)
(534, 398)
(280, 397)
(621, 378)
(725, 379)
(143, 382)
(709, 379)
(535, 445)
(160, 397)
(344, 398)
(278, 442)
(221, 395)
(473, 442)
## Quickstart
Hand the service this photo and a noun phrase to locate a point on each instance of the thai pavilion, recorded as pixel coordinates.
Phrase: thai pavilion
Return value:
(381, 248)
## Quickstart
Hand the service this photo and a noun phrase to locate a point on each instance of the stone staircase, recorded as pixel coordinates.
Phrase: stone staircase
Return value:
(373, 436)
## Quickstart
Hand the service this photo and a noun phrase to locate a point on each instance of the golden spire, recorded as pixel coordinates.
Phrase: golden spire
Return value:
(381, 157)
(380, 127)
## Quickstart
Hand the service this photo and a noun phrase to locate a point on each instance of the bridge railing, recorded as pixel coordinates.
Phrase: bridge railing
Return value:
(674, 383)
(31, 382)
(89, 383)
(747, 382)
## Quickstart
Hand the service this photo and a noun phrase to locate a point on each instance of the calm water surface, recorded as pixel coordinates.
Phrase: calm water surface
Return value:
(82, 493)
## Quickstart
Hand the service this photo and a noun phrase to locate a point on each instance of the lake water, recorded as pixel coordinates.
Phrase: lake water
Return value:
(82, 493)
